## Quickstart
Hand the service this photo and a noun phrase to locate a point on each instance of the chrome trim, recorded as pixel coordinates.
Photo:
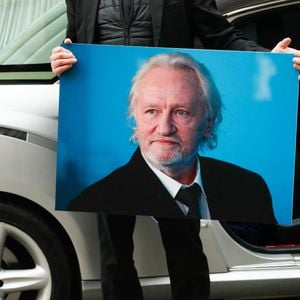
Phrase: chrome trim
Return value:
(28, 137)
(242, 12)
(157, 288)
(91, 290)
(41, 141)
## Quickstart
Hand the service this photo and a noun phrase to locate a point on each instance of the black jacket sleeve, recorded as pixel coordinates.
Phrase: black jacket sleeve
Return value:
(213, 29)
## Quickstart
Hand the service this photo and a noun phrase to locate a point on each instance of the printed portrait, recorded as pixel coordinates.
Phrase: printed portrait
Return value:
(138, 126)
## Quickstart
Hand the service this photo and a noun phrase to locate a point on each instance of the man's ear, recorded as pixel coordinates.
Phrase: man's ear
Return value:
(208, 127)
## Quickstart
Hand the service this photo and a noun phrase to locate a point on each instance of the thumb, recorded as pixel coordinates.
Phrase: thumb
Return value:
(285, 43)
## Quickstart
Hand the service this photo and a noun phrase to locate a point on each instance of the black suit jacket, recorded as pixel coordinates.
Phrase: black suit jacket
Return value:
(233, 193)
(176, 23)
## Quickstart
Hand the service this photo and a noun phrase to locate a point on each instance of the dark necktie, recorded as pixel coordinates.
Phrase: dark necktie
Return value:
(190, 197)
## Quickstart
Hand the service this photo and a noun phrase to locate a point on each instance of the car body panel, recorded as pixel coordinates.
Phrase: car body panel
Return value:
(28, 170)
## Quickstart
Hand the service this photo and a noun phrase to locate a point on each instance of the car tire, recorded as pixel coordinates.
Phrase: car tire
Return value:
(34, 260)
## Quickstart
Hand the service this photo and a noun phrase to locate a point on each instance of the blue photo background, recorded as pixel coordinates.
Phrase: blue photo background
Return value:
(259, 92)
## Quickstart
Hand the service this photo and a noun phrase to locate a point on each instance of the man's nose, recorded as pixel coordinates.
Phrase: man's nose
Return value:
(166, 125)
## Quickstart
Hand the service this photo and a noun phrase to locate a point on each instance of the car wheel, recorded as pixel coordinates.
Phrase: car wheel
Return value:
(34, 263)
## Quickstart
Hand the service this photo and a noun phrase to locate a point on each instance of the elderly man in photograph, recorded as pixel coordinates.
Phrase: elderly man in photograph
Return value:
(177, 109)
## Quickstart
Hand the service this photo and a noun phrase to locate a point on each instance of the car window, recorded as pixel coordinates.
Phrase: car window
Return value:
(267, 28)
(29, 31)
(270, 26)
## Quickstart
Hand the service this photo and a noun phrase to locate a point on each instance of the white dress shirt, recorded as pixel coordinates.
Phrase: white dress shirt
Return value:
(174, 186)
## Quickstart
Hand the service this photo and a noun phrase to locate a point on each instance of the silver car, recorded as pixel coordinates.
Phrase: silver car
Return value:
(48, 254)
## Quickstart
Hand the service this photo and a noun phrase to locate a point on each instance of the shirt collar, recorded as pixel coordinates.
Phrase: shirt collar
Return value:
(171, 184)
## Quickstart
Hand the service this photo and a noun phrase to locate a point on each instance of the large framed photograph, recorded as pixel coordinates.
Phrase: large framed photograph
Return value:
(246, 168)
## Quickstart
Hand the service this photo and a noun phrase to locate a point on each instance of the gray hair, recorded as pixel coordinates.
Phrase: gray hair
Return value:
(208, 91)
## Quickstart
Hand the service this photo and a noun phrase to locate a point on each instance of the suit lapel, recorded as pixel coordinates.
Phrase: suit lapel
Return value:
(90, 11)
(150, 190)
(156, 13)
(210, 181)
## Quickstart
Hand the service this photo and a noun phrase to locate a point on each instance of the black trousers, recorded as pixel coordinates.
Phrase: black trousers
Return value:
(187, 264)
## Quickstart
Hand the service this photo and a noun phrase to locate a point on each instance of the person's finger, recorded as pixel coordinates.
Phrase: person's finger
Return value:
(285, 43)
(59, 66)
(63, 69)
(62, 55)
(63, 61)
(61, 50)
(282, 46)
(296, 61)
(68, 41)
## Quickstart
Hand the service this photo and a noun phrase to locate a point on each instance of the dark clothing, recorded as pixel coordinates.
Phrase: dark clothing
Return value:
(233, 193)
(187, 264)
(119, 278)
(175, 23)
(125, 22)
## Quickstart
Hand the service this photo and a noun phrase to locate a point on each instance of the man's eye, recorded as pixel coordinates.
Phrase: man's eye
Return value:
(182, 113)
(151, 111)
